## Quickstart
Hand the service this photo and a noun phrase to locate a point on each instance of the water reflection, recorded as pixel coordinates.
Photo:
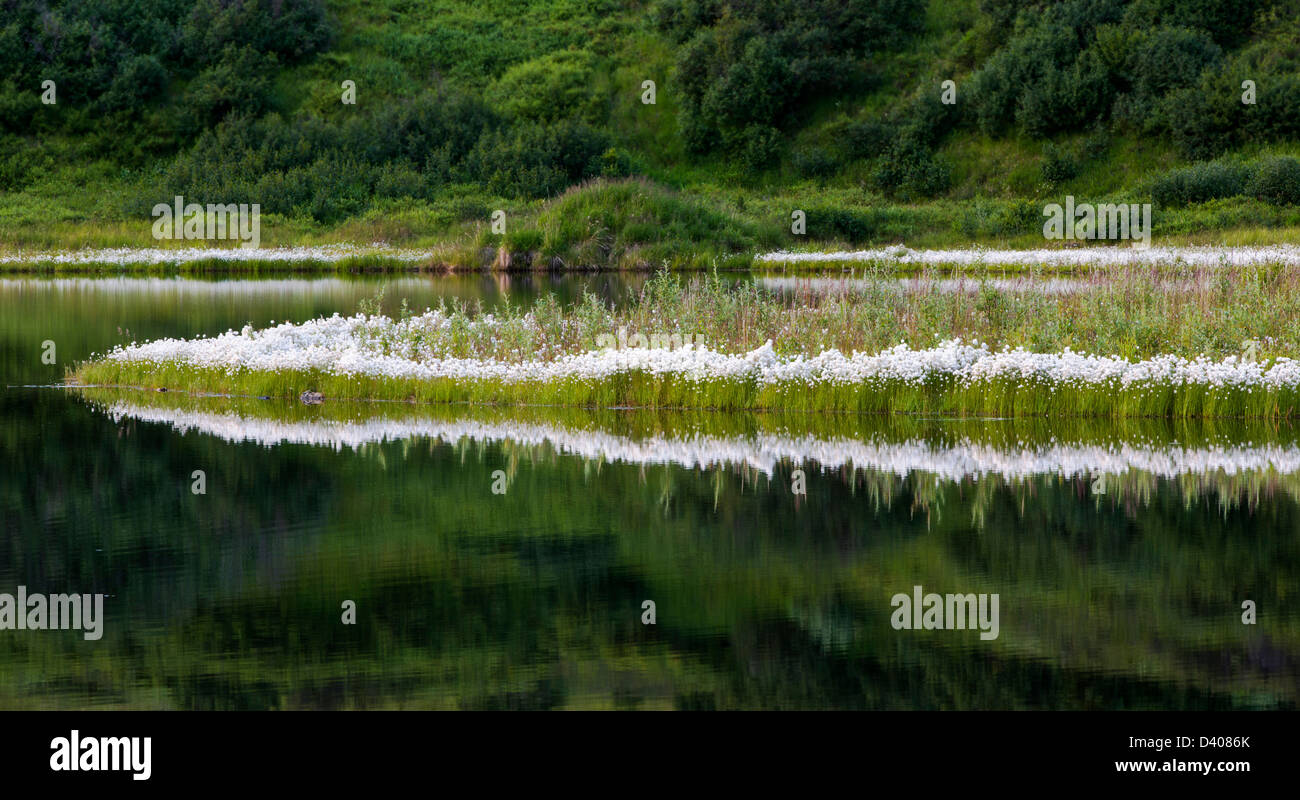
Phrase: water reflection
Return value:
(955, 450)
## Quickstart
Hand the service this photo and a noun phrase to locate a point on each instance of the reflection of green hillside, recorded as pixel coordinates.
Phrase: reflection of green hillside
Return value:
(532, 599)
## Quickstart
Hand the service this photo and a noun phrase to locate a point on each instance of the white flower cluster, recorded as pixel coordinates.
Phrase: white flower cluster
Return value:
(127, 256)
(954, 460)
(1209, 256)
(175, 288)
(352, 346)
(960, 285)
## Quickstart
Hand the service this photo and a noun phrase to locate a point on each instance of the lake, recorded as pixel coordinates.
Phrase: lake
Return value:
(504, 557)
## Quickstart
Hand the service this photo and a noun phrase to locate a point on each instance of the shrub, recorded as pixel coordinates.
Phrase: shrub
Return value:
(911, 170)
(854, 227)
(814, 162)
(758, 147)
(982, 217)
(1197, 125)
(549, 88)
(1059, 164)
(1227, 21)
(1173, 58)
(1276, 180)
(747, 65)
(866, 138)
(1199, 183)
(240, 81)
(1276, 114)
(1044, 78)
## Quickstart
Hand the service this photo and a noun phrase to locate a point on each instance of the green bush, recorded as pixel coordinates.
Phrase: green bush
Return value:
(1276, 180)
(849, 225)
(985, 218)
(240, 80)
(1199, 183)
(550, 88)
(866, 139)
(1059, 164)
(1041, 78)
(1173, 58)
(1227, 21)
(814, 162)
(746, 66)
(910, 170)
(757, 147)
(119, 56)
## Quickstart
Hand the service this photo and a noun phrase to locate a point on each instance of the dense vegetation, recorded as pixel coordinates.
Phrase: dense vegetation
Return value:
(761, 106)
(1133, 313)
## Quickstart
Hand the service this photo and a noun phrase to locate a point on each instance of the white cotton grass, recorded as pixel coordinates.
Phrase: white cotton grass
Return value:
(762, 452)
(147, 256)
(355, 347)
(1122, 256)
(967, 284)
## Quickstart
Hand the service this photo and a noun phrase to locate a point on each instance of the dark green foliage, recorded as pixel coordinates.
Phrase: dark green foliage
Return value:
(1276, 113)
(911, 170)
(1045, 78)
(120, 56)
(1059, 164)
(853, 227)
(1173, 58)
(1199, 183)
(814, 162)
(746, 65)
(866, 138)
(329, 170)
(236, 100)
(1227, 21)
(1152, 66)
(1276, 180)
(239, 81)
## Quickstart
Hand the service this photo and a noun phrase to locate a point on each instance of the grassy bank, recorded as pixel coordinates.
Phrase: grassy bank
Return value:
(538, 110)
(621, 224)
(1193, 346)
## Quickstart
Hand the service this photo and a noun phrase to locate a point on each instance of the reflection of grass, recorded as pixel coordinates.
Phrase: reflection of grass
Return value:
(737, 439)
(531, 599)
(936, 396)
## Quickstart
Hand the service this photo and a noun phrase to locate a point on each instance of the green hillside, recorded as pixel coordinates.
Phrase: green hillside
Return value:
(762, 107)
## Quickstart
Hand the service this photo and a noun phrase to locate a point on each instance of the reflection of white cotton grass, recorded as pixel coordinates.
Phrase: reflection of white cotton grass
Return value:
(349, 347)
(762, 452)
(1064, 257)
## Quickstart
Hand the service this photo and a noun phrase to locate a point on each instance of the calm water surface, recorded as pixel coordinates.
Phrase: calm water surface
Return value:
(1121, 554)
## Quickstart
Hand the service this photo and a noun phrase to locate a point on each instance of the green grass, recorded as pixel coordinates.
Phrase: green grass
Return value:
(986, 398)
